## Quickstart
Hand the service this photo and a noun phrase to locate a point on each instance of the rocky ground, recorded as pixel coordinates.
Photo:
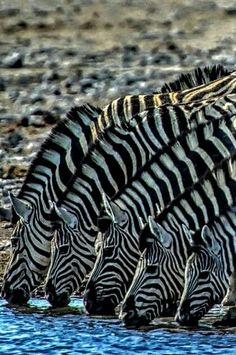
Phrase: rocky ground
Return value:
(60, 53)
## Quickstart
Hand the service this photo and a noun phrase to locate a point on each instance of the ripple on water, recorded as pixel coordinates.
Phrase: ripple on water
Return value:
(38, 330)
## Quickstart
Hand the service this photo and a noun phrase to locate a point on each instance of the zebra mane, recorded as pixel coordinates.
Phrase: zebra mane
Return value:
(195, 78)
(72, 117)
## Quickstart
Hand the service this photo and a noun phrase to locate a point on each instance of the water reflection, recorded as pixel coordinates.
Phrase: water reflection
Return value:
(39, 329)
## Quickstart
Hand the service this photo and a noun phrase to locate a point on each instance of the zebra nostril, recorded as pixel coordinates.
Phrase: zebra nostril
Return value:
(17, 296)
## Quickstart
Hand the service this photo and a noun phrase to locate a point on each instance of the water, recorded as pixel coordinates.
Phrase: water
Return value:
(38, 330)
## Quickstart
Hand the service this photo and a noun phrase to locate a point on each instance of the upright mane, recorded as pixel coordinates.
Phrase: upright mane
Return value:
(195, 78)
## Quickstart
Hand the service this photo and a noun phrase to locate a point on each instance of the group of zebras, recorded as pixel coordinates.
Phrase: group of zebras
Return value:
(140, 197)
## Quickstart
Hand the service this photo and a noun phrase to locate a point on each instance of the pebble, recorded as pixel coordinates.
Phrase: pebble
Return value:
(14, 60)
(14, 139)
(2, 84)
(9, 12)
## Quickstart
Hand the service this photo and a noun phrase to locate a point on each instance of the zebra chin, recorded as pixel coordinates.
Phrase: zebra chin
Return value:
(17, 296)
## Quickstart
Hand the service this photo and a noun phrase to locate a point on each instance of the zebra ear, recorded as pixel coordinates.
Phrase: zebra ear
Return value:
(116, 214)
(21, 208)
(210, 240)
(67, 217)
(142, 223)
(159, 232)
(107, 206)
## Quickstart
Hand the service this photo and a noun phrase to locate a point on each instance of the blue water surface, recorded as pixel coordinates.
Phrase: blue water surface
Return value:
(44, 333)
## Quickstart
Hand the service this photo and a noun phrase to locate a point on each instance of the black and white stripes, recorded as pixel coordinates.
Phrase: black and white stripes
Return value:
(118, 159)
(155, 184)
(159, 277)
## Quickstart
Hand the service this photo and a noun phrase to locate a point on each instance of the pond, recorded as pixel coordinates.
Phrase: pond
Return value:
(39, 330)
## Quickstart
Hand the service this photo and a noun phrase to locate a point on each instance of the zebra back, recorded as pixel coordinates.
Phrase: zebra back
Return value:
(198, 85)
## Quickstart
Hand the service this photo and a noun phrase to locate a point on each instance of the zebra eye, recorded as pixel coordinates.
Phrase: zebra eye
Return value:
(108, 251)
(204, 274)
(14, 242)
(64, 249)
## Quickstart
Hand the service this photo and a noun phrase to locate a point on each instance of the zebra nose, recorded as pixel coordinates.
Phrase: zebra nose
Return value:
(129, 304)
(49, 287)
(182, 316)
(185, 306)
(90, 291)
(17, 296)
(50, 292)
(89, 296)
(54, 298)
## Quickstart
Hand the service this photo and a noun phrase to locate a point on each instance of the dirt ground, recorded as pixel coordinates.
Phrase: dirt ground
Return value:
(54, 54)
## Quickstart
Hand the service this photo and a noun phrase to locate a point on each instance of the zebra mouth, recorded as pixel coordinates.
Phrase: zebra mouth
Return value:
(103, 307)
(132, 319)
(187, 320)
(59, 300)
(18, 296)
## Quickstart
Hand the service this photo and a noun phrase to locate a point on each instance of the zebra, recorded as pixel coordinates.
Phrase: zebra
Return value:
(47, 179)
(159, 277)
(72, 255)
(118, 256)
(51, 170)
(208, 269)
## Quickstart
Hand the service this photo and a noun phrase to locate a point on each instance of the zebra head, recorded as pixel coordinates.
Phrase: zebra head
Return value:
(72, 257)
(115, 264)
(205, 279)
(157, 282)
(29, 261)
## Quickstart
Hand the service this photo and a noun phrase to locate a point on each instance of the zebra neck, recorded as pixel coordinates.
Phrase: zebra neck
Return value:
(60, 155)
